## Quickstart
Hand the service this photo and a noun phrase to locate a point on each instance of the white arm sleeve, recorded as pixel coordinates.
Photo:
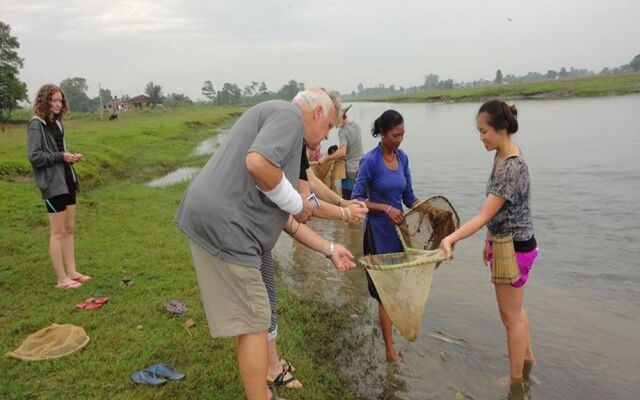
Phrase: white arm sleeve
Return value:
(285, 196)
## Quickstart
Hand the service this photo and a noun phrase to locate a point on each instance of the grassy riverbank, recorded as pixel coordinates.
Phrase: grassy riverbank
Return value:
(583, 87)
(126, 229)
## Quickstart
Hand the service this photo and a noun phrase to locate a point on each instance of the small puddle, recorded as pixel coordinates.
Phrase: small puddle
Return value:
(177, 176)
(206, 147)
(210, 145)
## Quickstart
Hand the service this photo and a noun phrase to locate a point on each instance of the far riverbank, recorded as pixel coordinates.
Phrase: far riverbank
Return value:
(614, 85)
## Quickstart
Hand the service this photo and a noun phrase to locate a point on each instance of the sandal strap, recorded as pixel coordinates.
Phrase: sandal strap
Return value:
(288, 364)
(280, 380)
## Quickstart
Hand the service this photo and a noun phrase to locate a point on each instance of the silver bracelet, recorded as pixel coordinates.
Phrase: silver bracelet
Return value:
(331, 248)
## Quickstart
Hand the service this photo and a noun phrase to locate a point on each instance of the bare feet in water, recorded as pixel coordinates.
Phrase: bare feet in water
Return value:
(527, 367)
(391, 357)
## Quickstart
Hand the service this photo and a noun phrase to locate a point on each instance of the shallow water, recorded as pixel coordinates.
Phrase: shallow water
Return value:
(177, 176)
(584, 290)
(207, 146)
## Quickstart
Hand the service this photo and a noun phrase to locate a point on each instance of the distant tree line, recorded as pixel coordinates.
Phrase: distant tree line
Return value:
(75, 90)
(433, 82)
(13, 91)
(252, 93)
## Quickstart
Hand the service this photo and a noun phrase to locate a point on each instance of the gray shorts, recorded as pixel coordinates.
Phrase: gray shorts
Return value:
(234, 297)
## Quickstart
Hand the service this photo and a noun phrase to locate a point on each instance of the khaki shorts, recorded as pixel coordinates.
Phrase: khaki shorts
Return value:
(234, 297)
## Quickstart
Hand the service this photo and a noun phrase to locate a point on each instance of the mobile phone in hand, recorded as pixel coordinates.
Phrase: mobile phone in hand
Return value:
(313, 200)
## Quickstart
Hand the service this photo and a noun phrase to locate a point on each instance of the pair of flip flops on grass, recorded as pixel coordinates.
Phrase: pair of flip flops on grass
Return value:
(91, 303)
(156, 375)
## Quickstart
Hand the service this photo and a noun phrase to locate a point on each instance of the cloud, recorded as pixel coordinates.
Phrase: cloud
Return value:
(125, 43)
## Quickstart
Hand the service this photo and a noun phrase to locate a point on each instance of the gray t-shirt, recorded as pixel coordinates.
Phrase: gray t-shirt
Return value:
(351, 137)
(222, 210)
(512, 182)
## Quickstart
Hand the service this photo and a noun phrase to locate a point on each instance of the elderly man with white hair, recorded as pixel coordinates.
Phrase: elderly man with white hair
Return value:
(235, 209)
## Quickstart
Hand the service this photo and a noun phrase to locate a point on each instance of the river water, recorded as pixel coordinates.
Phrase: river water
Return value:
(583, 295)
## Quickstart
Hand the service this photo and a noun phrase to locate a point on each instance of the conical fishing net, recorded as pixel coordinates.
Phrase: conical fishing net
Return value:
(403, 280)
(51, 342)
(329, 171)
(426, 224)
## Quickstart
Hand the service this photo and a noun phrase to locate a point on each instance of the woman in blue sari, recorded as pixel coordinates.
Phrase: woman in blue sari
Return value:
(384, 184)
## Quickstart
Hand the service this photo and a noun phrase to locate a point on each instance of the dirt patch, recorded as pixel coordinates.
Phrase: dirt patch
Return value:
(20, 178)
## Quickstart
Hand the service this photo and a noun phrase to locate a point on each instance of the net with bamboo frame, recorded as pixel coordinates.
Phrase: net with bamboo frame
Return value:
(329, 171)
(53, 341)
(403, 280)
(428, 222)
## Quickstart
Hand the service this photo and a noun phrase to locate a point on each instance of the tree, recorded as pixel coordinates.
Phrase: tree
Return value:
(431, 81)
(605, 71)
(498, 79)
(635, 63)
(154, 92)
(12, 90)
(75, 91)
(208, 91)
(105, 94)
(551, 74)
(229, 94)
(262, 90)
(176, 99)
(251, 89)
(446, 84)
(563, 73)
(290, 89)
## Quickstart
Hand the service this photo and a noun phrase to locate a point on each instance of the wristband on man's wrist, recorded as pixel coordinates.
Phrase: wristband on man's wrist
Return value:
(331, 249)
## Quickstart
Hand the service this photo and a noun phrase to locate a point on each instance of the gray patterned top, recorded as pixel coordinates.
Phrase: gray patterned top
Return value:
(511, 182)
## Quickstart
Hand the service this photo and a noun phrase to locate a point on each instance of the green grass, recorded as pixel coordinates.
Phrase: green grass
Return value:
(583, 87)
(146, 139)
(126, 229)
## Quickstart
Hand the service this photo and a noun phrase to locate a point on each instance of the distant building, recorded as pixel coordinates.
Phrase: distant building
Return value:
(141, 101)
(115, 106)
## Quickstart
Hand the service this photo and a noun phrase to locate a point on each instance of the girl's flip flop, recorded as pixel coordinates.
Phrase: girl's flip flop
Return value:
(166, 371)
(70, 285)
(146, 377)
(82, 278)
(176, 307)
(92, 303)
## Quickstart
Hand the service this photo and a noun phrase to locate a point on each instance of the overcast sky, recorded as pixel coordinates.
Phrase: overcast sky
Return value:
(123, 44)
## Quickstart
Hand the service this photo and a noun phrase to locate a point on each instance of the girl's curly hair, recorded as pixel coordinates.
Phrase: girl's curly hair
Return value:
(42, 103)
